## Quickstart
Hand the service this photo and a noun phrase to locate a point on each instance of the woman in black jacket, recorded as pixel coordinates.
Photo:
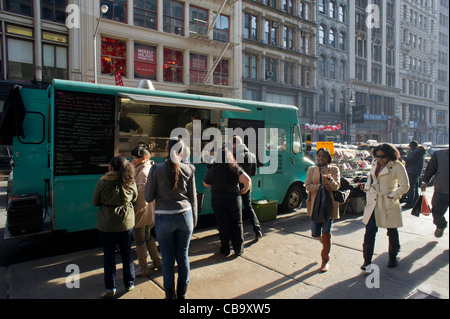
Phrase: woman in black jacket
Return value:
(224, 177)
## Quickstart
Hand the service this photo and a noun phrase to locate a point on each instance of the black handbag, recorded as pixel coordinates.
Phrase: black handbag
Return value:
(339, 196)
(322, 205)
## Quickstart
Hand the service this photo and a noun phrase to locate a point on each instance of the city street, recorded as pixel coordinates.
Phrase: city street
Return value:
(284, 264)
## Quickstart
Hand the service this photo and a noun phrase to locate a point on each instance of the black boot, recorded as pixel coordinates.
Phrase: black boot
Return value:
(367, 254)
(181, 291)
(393, 251)
(170, 293)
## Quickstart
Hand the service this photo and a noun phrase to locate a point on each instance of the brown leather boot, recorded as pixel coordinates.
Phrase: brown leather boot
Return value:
(326, 246)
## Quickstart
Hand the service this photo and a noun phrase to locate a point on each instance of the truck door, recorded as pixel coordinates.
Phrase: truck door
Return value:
(30, 154)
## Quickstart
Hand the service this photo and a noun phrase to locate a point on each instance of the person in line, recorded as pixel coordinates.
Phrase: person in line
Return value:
(386, 183)
(224, 177)
(144, 215)
(126, 123)
(438, 167)
(172, 185)
(414, 166)
(324, 178)
(248, 164)
(115, 194)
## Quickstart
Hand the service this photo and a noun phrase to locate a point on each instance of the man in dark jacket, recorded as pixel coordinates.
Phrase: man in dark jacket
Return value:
(247, 160)
(438, 167)
(414, 167)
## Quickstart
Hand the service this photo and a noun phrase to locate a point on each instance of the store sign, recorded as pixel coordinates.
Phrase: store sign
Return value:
(328, 145)
(358, 114)
(144, 61)
(389, 126)
(375, 117)
(413, 124)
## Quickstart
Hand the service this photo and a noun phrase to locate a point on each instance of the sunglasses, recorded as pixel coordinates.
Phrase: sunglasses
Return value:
(380, 156)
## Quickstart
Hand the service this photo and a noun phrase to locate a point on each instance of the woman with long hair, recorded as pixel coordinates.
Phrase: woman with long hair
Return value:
(324, 178)
(224, 177)
(144, 214)
(172, 185)
(115, 194)
(386, 184)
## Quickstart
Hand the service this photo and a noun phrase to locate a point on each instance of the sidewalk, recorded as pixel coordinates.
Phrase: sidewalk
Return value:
(281, 265)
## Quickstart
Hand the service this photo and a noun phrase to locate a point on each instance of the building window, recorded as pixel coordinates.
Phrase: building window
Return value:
(145, 13)
(271, 69)
(250, 27)
(24, 7)
(288, 73)
(321, 35)
(198, 20)
(270, 32)
(288, 38)
(54, 58)
(331, 38)
(144, 61)
(220, 75)
(198, 68)
(331, 9)
(342, 41)
(19, 53)
(342, 103)
(117, 10)
(222, 29)
(332, 69)
(250, 66)
(20, 63)
(173, 17)
(54, 10)
(114, 56)
(332, 101)
(306, 76)
(322, 100)
(304, 10)
(342, 71)
(322, 6)
(173, 66)
(341, 13)
(321, 65)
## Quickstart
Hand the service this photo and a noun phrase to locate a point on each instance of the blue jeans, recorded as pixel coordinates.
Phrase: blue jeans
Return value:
(109, 242)
(317, 229)
(173, 232)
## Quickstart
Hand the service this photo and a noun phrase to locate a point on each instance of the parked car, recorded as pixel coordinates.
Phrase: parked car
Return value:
(5, 160)
(434, 148)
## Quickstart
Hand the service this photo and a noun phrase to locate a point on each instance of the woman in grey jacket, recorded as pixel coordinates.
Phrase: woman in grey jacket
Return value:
(172, 185)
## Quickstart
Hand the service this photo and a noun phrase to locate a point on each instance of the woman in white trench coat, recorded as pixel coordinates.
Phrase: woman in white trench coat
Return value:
(386, 183)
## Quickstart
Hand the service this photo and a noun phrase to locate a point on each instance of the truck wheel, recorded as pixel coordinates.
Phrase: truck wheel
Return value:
(293, 198)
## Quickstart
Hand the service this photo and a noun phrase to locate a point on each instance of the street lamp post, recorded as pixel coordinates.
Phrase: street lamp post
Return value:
(104, 9)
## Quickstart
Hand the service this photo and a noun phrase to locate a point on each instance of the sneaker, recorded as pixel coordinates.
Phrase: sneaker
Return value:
(108, 294)
(439, 232)
(129, 288)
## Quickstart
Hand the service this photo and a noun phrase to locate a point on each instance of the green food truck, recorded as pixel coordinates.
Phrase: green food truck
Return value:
(72, 130)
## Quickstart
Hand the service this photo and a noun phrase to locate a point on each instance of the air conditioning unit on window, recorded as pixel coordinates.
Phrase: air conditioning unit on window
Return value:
(269, 74)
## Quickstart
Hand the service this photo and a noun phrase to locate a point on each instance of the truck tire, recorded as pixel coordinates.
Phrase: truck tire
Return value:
(292, 199)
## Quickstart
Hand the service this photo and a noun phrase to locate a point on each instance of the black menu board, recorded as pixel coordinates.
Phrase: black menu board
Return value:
(84, 132)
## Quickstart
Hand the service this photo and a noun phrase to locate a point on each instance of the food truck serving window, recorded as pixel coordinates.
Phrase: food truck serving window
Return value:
(150, 120)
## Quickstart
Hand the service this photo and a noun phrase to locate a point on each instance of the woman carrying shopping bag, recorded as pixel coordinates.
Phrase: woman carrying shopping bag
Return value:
(321, 181)
(386, 184)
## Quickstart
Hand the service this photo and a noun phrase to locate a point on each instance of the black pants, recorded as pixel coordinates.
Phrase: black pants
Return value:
(248, 212)
(371, 232)
(440, 206)
(228, 211)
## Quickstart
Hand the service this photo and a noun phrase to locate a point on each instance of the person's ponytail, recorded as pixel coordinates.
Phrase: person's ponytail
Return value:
(174, 148)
